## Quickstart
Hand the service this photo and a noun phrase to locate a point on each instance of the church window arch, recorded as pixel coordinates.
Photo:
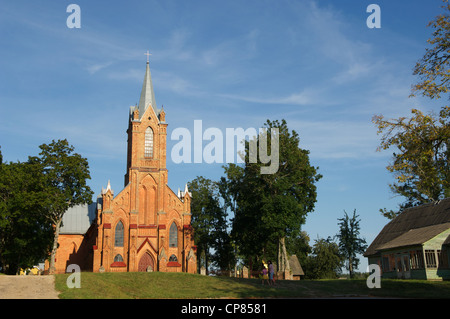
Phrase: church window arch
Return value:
(173, 258)
(118, 235)
(118, 258)
(173, 235)
(148, 151)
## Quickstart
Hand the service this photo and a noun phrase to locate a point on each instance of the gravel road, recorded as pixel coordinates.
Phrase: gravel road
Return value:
(27, 287)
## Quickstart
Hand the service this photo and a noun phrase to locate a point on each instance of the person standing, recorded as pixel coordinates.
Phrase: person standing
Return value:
(265, 275)
(271, 278)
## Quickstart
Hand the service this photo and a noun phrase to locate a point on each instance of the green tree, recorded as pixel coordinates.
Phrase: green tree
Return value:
(433, 68)
(299, 246)
(350, 243)
(66, 174)
(421, 166)
(422, 142)
(272, 207)
(325, 262)
(25, 232)
(210, 225)
(247, 231)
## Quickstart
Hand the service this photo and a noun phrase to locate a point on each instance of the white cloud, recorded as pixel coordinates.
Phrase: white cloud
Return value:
(94, 68)
(337, 139)
(307, 96)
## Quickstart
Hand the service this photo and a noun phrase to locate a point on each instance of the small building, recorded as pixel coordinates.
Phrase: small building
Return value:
(415, 244)
(296, 268)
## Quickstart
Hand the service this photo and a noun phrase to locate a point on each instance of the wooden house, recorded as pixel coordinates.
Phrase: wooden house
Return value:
(415, 244)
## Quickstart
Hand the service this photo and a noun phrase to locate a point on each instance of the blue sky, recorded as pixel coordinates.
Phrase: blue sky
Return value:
(227, 63)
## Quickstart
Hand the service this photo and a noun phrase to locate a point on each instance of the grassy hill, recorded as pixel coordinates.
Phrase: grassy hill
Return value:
(182, 285)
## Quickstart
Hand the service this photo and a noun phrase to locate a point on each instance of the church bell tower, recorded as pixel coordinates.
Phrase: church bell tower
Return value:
(147, 133)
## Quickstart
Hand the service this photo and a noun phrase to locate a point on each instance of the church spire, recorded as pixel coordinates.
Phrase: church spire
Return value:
(147, 94)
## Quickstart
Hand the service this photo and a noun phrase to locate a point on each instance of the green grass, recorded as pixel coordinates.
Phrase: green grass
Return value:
(182, 285)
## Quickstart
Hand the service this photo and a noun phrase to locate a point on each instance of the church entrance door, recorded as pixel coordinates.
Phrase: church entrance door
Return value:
(146, 263)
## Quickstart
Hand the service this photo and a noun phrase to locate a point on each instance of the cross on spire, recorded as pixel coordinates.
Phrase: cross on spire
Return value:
(147, 54)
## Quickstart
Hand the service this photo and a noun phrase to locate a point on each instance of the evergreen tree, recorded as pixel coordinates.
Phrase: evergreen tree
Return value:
(350, 244)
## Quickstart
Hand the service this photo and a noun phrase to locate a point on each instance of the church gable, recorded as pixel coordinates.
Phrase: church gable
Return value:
(173, 201)
(122, 200)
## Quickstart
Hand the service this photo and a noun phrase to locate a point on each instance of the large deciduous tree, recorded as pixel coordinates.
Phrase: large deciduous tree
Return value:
(433, 68)
(66, 174)
(25, 232)
(421, 164)
(209, 221)
(421, 161)
(271, 207)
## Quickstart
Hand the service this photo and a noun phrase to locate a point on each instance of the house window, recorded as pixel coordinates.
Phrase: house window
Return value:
(391, 262)
(385, 262)
(430, 258)
(173, 258)
(118, 238)
(416, 259)
(118, 258)
(173, 235)
(148, 152)
(442, 258)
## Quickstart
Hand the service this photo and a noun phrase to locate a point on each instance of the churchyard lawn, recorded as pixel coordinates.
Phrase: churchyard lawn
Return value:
(181, 285)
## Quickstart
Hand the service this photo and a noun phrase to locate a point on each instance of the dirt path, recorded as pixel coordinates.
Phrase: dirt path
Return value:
(27, 287)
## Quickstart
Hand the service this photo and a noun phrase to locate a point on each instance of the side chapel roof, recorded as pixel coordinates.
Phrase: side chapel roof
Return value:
(78, 219)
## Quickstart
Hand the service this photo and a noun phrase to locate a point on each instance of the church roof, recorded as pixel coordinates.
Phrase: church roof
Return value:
(78, 219)
(147, 94)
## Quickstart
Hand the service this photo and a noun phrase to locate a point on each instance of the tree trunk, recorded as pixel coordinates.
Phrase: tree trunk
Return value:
(280, 264)
(284, 256)
(350, 267)
(55, 247)
(206, 261)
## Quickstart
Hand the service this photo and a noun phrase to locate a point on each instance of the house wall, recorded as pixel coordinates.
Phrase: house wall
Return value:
(439, 273)
(375, 260)
(393, 254)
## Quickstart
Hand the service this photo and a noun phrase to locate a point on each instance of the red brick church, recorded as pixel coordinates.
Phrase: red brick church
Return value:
(146, 226)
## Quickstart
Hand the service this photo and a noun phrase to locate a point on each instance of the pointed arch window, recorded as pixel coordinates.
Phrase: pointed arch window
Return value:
(173, 258)
(148, 152)
(173, 235)
(118, 235)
